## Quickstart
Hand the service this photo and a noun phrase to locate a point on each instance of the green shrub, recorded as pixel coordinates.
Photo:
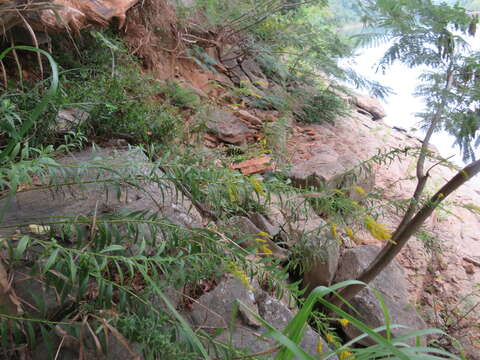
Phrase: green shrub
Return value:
(272, 67)
(179, 96)
(121, 100)
(271, 102)
(320, 107)
(156, 336)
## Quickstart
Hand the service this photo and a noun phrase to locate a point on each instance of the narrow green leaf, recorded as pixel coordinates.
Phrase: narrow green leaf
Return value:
(21, 247)
(112, 248)
(50, 261)
(73, 269)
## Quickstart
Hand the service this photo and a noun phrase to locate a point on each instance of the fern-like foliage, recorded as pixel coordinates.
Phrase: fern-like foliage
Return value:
(423, 33)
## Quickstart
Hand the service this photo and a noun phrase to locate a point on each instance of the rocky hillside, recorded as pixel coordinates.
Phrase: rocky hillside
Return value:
(191, 201)
(441, 264)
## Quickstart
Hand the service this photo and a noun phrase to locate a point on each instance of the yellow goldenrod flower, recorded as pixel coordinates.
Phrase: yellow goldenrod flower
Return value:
(234, 269)
(261, 83)
(320, 347)
(339, 192)
(359, 190)
(343, 322)
(232, 192)
(352, 236)
(333, 228)
(257, 185)
(346, 355)
(350, 233)
(378, 231)
(330, 338)
(259, 240)
(264, 234)
(264, 249)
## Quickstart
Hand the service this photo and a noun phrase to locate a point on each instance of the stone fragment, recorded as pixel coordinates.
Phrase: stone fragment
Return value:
(254, 73)
(246, 232)
(252, 119)
(264, 224)
(258, 165)
(70, 119)
(328, 168)
(469, 268)
(319, 170)
(215, 308)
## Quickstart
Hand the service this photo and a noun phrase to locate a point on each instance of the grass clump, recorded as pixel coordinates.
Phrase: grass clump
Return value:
(319, 107)
(157, 337)
(120, 98)
(179, 96)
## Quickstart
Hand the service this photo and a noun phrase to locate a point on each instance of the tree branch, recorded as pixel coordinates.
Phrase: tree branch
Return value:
(422, 177)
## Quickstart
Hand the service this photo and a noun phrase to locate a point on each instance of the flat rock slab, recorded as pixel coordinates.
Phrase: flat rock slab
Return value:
(108, 184)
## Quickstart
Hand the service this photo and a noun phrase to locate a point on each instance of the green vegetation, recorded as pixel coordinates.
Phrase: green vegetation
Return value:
(321, 106)
(120, 99)
(110, 269)
(450, 89)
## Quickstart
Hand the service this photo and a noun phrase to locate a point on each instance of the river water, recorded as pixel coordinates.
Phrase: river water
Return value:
(402, 106)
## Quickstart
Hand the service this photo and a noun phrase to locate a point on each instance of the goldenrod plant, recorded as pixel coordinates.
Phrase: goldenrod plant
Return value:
(110, 269)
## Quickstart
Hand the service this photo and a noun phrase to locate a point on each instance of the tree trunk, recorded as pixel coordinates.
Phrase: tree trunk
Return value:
(400, 238)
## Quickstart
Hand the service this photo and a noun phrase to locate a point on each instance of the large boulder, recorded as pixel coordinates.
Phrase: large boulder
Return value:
(371, 105)
(228, 128)
(30, 209)
(319, 170)
(216, 310)
(102, 184)
(328, 168)
(38, 299)
(391, 285)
